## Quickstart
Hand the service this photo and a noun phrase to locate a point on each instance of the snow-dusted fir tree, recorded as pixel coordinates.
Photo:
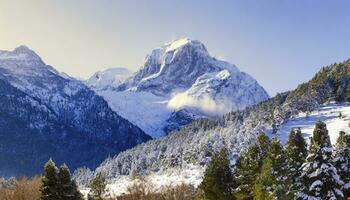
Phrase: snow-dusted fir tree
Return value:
(249, 166)
(218, 180)
(271, 183)
(97, 187)
(319, 178)
(296, 152)
(342, 161)
(49, 186)
(67, 188)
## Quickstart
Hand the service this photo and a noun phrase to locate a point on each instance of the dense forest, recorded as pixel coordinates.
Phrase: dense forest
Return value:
(268, 170)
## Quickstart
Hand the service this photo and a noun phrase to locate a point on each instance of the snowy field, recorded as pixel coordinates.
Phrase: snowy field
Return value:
(190, 175)
(330, 114)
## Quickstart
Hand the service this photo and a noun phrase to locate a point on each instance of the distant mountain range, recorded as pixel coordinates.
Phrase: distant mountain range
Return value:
(178, 83)
(45, 114)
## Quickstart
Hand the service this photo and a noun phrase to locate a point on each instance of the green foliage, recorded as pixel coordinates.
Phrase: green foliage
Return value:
(319, 178)
(271, 183)
(49, 187)
(218, 180)
(296, 152)
(249, 166)
(348, 93)
(97, 187)
(263, 183)
(263, 143)
(57, 185)
(341, 141)
(341, 161)
(67, 188)
(320, 137)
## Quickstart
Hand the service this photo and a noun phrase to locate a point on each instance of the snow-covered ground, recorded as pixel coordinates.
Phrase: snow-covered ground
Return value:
(158, 181)
(330, 114)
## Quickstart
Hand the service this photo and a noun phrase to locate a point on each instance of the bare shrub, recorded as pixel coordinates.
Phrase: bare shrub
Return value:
(21, 189)
(142, 190)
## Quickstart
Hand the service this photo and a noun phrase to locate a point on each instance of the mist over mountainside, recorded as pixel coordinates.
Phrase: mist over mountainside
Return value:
(49, 115)
(178, 83)
(193, 144)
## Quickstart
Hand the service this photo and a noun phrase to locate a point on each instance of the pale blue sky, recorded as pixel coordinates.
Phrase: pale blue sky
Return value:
(281, 43)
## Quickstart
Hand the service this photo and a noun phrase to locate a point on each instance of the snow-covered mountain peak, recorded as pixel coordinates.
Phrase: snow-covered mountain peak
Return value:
(156, 62)
(23, 49)
(179, 82)
(108, 78)
(21, 53)
(182, 42)
(177, 65)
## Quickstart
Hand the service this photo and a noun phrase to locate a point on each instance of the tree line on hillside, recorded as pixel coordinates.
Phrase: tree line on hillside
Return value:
(270, 171)
(267, 170)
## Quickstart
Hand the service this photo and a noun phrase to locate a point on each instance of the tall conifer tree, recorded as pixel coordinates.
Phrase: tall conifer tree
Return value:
(67, 189)
(342, 161)
(271, 183)
(49, 187)
(249, 166)
(296, 152)
(319, 178)
(218, 180)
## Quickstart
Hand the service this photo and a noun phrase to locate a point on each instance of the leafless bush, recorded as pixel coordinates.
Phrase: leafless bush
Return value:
(21, 189)
(142, 190)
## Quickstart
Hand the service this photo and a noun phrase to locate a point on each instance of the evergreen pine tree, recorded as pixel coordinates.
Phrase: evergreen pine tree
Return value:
(271, 183)
(67, 189)
(348, 93)
(249, 165)
(247, 168)
(319, 178)
(97, 187)
(218, 180)
(49, 187)
(263, 143)
(296, 152)
(342, 161)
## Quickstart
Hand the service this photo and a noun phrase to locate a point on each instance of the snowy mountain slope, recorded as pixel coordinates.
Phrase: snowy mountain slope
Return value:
(80, 120)
(108, 78)
(146, 110)
(194, 143)
(336, 116)
(182, 75)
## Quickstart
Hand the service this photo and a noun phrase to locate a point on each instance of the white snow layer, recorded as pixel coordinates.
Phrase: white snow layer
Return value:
(144, 109)
(336, 116)
(191, 175)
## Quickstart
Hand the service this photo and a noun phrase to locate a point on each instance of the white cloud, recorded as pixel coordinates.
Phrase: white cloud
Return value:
(204, 103)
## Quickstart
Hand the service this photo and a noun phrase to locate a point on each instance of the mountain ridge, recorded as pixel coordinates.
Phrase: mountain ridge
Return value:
(73, 114)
